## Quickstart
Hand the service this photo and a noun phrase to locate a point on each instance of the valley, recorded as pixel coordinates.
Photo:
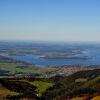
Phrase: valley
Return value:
(35, 71)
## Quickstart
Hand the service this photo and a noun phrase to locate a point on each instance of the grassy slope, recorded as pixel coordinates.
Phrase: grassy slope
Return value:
(4, 92)
(41, 86)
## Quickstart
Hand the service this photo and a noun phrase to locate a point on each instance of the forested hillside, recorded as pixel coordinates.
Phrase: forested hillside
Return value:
(82, 84)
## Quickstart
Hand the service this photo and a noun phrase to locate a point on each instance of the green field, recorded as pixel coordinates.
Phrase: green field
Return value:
(21, 68)
(41, 86)
(14, 68)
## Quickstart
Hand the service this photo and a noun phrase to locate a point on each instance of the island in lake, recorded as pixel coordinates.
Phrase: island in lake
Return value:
(36, 70)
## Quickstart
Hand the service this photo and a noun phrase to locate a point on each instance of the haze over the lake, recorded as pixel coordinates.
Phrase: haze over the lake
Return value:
(56, 20)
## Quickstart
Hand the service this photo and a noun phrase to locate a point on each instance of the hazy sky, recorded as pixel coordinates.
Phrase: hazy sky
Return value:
(62, 20)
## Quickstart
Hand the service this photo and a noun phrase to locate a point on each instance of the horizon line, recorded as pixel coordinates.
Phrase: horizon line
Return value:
(49, 41)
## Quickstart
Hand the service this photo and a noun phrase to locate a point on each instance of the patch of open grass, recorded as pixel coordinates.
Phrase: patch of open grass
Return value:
(4, 92)
(41, 86)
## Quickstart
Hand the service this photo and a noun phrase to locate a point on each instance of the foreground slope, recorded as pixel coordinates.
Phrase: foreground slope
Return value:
(80, 85)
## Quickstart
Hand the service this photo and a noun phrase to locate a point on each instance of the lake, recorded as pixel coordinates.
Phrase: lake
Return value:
(52, 53)
(94, 59)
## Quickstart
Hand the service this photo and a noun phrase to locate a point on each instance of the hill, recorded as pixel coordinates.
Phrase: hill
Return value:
(78, 86)
(88, 85)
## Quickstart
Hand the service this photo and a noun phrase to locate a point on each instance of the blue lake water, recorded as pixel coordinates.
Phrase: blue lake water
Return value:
(37, 60)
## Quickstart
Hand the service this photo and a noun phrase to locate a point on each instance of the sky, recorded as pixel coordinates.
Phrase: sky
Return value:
(50, 20)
